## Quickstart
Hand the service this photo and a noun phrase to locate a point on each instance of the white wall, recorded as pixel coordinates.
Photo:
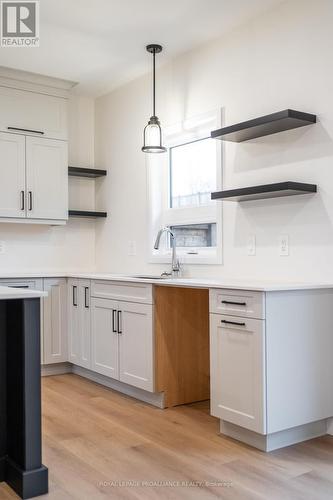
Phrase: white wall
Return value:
(39, 247)
(280, 60)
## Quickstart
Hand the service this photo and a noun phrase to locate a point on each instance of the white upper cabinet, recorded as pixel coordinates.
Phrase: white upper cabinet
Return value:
(33, 157)
(47, 178)
(31, 113)
(12, 168)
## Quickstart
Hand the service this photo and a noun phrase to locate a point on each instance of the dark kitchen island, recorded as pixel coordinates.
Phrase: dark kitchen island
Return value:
(20, 393)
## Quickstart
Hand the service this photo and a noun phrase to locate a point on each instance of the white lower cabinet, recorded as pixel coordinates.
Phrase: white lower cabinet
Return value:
(122, 341)
(104, 347)
(237, 347)
(79, 323)
(136, 347)
(55, 321)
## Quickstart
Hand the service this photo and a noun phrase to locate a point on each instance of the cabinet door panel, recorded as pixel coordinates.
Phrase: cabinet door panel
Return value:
(32, 111)
(136, 345)
(47, 178)
(55, 321)
(73, 322)
(84, 323)
(238, 371)
(12, 166)
(105, 337)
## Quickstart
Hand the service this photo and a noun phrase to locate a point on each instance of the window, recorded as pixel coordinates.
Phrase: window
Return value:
(180, 186)
(195, 235)
(192, 173)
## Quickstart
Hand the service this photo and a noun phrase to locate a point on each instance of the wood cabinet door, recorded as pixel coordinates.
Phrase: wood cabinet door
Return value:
(47, 178)
(33, 113)
(55, 321)
(12, 175)
(136, 348)
(105, 337)
(237, 347)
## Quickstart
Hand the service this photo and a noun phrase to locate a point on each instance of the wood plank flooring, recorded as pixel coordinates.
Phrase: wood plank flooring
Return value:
(96, 441)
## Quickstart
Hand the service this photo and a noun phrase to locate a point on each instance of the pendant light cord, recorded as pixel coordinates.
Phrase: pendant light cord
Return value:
(154, 83)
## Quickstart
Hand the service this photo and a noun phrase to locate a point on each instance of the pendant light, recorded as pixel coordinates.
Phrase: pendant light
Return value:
(152, 133)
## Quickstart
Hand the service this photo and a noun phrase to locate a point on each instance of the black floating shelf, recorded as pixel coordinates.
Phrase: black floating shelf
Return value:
(276, 190)
(86, 213)
(264, 125)
(85, 172)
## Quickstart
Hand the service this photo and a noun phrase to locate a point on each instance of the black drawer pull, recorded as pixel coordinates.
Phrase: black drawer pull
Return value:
(22, 194)
(86, 302)
(232, 322)
(233, 303)
(114, 329)
(74, 296)
(119, 323)
(30, 200)
(26, 130)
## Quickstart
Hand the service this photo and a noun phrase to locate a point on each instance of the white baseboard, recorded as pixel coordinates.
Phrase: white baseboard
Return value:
(56, 369)
(330, 426)
(277, 440)
(153, 398)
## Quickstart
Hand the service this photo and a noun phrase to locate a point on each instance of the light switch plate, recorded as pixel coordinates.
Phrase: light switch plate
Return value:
(284, 245)
(251, 245)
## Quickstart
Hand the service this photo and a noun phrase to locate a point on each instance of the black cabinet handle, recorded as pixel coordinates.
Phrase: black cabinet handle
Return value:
(26, 130)
(22, 200)
(74, 296)
(114, 330)
(119, 325)
(233, 303)
(30, 200)
(232, 322)
(86, 301)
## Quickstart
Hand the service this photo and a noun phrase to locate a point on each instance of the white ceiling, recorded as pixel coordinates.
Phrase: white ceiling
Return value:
(101, 43)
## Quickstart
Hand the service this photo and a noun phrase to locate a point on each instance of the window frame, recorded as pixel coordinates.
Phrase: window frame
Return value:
(159, 190)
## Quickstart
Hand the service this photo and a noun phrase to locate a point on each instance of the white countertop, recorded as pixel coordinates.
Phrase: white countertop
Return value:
(236, 284)
(19, 293)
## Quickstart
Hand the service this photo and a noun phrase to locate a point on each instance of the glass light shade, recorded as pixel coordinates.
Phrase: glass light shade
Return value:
(152, 137)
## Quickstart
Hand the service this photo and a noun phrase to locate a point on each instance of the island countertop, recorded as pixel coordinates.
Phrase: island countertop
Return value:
(7, 293)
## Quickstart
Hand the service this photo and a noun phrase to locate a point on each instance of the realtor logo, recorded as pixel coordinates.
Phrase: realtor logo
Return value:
(19, 23)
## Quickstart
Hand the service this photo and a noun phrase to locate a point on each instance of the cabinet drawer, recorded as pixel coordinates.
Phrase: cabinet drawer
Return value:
(237, 303)
(31, 113)
(31, 283)
(119, 290)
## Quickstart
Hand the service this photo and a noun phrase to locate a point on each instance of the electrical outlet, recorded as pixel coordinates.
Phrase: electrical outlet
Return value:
(251, 245)
(2, 247)
(284, 245)
(132, 248)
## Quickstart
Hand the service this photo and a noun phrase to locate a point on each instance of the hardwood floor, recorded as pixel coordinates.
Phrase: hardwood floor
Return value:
(93, 436)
